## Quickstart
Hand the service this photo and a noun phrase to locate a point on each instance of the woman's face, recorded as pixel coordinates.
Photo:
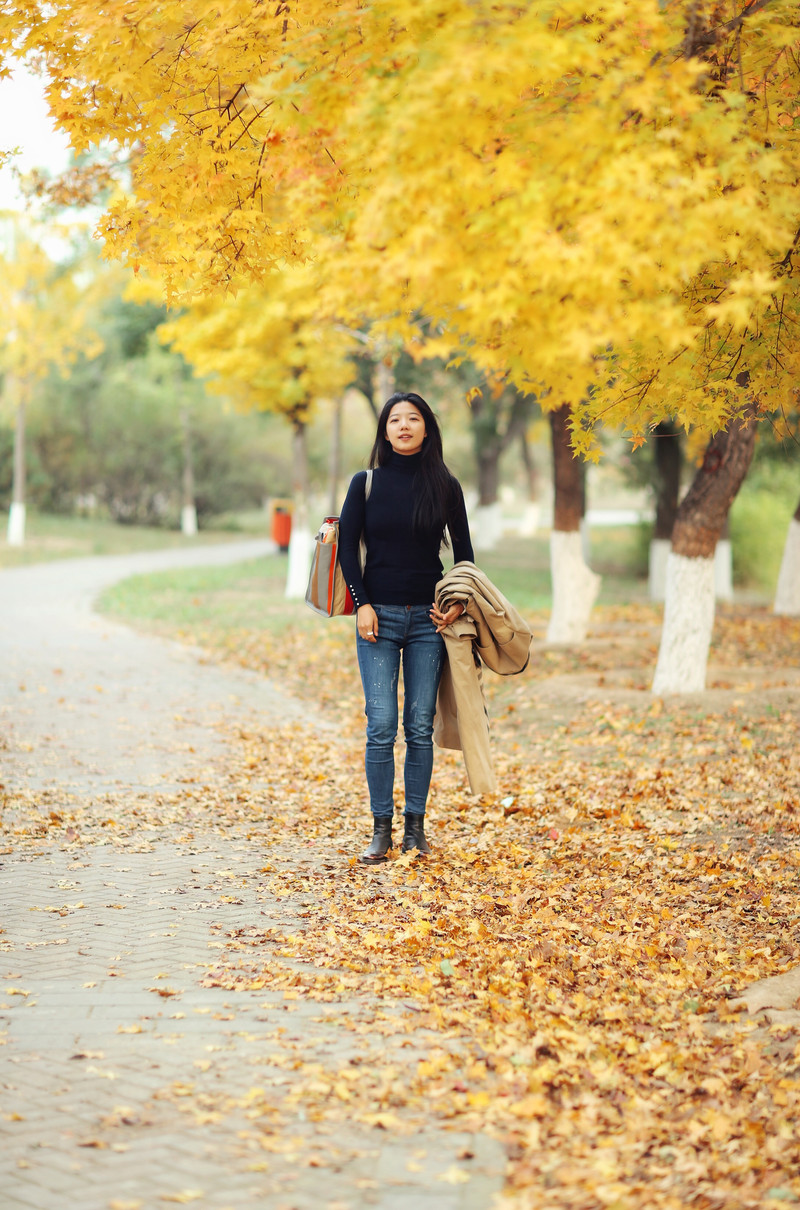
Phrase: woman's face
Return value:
(405, 428)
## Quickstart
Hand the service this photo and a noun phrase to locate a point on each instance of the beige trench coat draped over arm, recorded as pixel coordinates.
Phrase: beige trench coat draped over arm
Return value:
(490, 632)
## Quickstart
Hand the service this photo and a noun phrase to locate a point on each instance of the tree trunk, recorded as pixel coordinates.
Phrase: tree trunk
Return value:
(575, 586)
(488, 459)
(569, 476)
(530, 518)
(689, 608)
(486, 522)
(16, 513)
(188, 505)
(300, 540)
(336, 455)
(667, 484)
(384, 380)
(787, 594)
(499, 416)
(531, 473)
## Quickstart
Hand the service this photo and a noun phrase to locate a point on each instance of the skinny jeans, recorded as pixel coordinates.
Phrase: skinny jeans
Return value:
(407, 632)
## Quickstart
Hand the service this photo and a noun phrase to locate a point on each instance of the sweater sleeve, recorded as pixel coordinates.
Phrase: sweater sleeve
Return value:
(459, 527)
(351, 527)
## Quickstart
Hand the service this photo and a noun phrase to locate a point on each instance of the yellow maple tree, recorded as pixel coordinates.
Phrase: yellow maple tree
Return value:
(267, 347)
(600, 197)
(270, 348)
(44, 307)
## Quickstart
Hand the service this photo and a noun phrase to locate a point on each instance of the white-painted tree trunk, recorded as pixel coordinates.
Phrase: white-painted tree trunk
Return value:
(586, 540)
(530, 520)
(787, 594)
(16, 513)
(575, 588)
(301, 544)
(189, 509)
(687, 627)
(723, 570)
(16, 524)
(659, 553)
(486, 525)
(189, 520)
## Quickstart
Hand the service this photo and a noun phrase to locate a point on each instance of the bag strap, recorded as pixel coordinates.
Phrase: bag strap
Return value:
(362, 546)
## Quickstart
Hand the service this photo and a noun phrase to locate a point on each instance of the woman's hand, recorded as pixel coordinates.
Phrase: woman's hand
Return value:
(367, 623)
(440, 620)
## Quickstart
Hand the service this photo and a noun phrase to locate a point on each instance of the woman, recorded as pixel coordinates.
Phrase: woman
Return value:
(402, 518)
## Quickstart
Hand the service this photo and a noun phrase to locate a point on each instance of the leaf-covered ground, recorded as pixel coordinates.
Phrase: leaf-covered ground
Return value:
(575, 945)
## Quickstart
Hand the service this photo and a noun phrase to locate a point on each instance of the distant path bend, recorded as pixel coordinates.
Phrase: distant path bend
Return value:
(91, 706)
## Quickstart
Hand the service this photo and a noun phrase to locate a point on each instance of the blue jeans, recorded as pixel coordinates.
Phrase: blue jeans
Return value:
(407, 629)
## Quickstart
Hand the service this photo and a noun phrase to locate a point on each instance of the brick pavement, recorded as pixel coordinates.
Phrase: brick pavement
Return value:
(124, 1083)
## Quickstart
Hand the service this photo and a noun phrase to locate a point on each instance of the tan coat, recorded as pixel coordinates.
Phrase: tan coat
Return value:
(490, 632)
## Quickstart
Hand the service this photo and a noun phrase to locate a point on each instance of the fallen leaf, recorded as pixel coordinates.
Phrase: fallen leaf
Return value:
(454, 1175)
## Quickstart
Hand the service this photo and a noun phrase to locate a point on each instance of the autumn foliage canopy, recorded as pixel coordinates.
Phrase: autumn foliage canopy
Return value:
(599, 199)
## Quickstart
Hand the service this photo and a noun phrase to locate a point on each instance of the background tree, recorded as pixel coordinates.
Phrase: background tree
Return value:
(575, 585)
(107, 439)
(499, 416)
(776, 473)
(689, 606)
(667, 462)
(43, 326)
(787, 593)
(269, 349)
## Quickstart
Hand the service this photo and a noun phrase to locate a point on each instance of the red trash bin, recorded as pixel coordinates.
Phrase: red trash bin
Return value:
(281, 527)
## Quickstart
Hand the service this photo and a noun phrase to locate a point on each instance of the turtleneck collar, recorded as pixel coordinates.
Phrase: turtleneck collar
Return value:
(406, 463)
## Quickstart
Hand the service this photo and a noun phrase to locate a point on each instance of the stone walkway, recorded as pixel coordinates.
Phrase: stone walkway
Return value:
(124, 1083)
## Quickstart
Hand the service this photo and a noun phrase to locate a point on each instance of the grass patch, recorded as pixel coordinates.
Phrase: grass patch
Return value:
(50, 537)
(520, 567)
(209, 605)
(203, 600)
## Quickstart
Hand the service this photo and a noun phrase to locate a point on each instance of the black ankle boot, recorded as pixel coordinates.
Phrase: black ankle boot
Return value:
(381, 841)
(414, 837)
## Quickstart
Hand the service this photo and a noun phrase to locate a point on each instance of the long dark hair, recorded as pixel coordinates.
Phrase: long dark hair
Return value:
(434, 494)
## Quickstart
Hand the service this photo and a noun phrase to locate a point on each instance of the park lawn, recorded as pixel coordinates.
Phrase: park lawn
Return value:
(251, 595)
(55, 537)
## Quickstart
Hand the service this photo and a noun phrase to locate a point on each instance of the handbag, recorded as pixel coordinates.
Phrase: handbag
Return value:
(327, 593)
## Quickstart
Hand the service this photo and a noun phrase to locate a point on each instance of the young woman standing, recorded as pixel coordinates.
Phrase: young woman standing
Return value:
(412, 499)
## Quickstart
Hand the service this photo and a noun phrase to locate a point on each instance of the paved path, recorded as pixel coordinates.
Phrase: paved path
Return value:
(89, 705)
(125, 1084)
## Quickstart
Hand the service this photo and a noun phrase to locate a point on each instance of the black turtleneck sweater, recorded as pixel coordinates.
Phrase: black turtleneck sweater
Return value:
(401, 568)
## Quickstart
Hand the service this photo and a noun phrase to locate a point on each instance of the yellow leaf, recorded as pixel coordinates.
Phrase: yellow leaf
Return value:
(454, 1175)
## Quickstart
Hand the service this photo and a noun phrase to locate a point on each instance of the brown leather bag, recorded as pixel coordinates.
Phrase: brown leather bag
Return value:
(327, 592)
